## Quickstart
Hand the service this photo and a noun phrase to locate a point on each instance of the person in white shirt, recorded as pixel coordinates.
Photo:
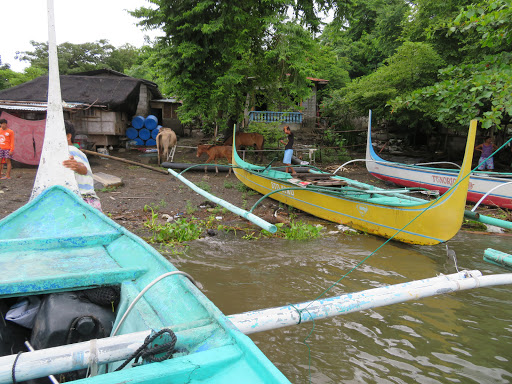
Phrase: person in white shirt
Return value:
(79, 163)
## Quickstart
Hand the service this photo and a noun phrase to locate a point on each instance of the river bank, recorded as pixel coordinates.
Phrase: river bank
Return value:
(142, 189)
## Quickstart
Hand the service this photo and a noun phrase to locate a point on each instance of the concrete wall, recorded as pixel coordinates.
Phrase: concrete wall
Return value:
(144, 98)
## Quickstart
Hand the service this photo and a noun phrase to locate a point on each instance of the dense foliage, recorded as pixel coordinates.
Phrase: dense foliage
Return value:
(219, 56)
(74, 58)
(479, 86)
(417, 64)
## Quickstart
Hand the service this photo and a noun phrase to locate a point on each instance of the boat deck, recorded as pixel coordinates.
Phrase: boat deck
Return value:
(340, 186)
(58, 243)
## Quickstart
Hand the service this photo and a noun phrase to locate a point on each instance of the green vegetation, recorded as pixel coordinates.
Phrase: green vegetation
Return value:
(426, 66)
(204, 186)
(185, 229)
(296, 230)
(107, 189)
(155, 206)
(190, 208)
(228, 184)
(270, 131)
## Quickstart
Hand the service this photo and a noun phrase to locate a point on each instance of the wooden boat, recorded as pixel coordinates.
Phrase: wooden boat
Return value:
(364, 207)
(56, 247)
(84, 277)
(441, 179)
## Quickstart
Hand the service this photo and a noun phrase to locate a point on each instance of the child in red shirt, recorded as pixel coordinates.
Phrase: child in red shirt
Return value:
(6, 148)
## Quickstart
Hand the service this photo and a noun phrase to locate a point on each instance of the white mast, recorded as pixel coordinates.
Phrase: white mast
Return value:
(55, 146)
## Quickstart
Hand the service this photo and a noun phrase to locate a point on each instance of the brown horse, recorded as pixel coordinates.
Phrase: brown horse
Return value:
(166, 141)
(215, 152)
(247, 139)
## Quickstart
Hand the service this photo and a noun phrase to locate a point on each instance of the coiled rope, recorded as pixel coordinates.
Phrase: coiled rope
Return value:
(149, 353)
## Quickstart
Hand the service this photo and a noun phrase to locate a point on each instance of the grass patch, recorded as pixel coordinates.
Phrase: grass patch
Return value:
(155, 206)
(204, 186)
(108, 189)
(474, 225)
(190, 208)
(228, 184)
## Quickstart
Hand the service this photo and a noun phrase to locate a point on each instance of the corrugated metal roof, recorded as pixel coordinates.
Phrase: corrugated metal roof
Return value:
(169, 100)
(34, 106)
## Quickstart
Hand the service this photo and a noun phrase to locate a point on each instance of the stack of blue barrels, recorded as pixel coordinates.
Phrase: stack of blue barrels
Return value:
(144, 130)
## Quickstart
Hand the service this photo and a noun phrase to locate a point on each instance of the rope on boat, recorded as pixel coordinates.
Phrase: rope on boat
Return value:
(149, 354)
(14, 367)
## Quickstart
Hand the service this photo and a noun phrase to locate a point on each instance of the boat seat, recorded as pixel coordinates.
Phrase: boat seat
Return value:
(65, 264)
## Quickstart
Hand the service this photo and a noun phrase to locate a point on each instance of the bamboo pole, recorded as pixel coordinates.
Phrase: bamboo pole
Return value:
(124, 161)
(71, 357)
(233, 208)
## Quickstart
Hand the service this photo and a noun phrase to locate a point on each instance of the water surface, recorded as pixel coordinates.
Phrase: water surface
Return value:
(463, 337)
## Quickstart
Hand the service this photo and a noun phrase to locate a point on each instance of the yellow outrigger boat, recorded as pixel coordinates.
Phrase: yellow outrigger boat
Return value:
(386, 213)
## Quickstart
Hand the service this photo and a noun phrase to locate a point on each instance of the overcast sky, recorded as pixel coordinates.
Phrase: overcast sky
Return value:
(75, 22)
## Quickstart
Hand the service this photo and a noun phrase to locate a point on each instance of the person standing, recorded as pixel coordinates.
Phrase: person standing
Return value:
(288, 150)
(487, 148)
(79, 163)
(6, 148)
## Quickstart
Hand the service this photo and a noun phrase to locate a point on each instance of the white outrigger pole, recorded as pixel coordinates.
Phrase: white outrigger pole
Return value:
(71, 357)
(55, 146)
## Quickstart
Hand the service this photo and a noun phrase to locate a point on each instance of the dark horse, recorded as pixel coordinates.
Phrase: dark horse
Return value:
(247, 139)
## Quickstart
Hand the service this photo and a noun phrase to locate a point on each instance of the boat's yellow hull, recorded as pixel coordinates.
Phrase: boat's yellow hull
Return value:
(425, 223)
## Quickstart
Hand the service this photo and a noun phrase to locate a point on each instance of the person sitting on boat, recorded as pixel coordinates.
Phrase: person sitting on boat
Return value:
(79, 163)
(487, 148)
(288, 150)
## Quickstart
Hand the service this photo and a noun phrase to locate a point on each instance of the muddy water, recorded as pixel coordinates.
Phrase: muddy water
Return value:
(464, 337)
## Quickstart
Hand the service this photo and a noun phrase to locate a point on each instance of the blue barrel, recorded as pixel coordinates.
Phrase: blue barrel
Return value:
(138, 122)
(151, 122)
(144, 133)
(139, 141)
(150, 143)
(131, 133)
(154, 132)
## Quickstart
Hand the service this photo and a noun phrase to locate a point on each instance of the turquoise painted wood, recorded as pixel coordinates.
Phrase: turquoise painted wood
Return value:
(58, 243)
(498, 258)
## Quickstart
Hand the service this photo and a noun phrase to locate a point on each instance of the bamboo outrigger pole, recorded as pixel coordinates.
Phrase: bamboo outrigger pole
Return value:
(239, 211)
(71, 357)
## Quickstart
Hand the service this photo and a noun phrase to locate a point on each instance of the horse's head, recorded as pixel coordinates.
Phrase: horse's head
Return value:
(202, 148)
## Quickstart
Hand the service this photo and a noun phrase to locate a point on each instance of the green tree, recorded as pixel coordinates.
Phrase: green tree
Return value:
(480, 87)
(369, 33)
(75, 58)
(214, 54)
(413, 65)
(426, 21)
(10, 78)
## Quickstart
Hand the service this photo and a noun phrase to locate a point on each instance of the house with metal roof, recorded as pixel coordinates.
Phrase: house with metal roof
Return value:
(100, 103)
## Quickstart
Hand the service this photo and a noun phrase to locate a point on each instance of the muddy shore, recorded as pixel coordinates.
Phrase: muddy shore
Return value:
(167, 195)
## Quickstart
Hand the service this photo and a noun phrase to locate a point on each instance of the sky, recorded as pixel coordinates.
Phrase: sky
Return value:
(76, 22)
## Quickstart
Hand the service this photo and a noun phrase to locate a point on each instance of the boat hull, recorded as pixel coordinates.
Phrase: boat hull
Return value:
(399, 217)
(440, 179)
(58, 243)
(381, 220)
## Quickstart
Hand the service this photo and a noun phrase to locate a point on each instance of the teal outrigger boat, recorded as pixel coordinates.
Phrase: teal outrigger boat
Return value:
(57, 248)
(73, 277)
